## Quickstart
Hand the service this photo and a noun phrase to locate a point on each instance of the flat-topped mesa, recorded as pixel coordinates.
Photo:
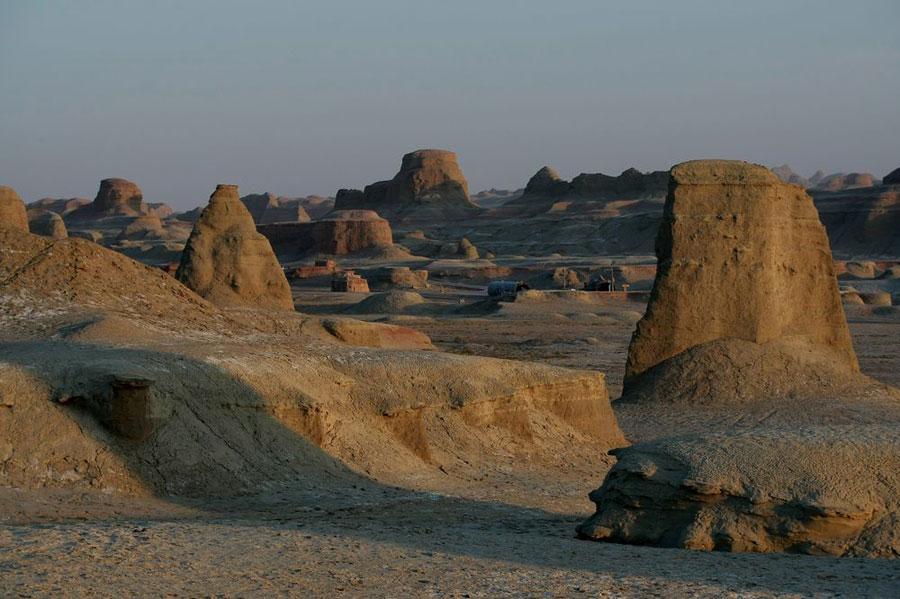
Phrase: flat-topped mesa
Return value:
(48, 224)
(742, 256)
(227, 262)
(428, 185)
(12, 210)
(119, 197)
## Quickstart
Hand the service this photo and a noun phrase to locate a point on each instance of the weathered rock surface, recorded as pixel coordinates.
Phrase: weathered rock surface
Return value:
(12, 210)
(48, 224)
(744, 355)
(742, 256)
(227, 262)
(340, 232)
(429, 185)
(813, 490)
(787, 174)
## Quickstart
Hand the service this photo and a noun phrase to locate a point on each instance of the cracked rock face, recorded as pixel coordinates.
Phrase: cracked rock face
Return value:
(228, 262)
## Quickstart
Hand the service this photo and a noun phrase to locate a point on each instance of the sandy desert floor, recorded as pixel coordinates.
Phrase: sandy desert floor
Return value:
(369, 540)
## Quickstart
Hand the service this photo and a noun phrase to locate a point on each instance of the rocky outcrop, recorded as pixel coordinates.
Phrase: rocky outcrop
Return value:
(227, 262)
(267, 208)
(340, 232)
(48, 224)
(841, 181)
(546, 189)
(429, 185)
(777, 443)
(116, 197)
(12, 210)
(61, 206)
(143, 227)
(742, 256)
(811, 490)
(861, 222)
(892, 178)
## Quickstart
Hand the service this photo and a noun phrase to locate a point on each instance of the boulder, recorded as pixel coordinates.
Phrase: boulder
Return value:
(227, 262)
(742, 256)
(48, 224)
(12, 210)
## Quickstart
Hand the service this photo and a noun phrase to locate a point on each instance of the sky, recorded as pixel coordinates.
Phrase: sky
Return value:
(301, 98)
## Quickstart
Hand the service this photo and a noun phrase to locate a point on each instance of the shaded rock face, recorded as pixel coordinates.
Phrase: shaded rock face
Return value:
(341, 232)
(48, 224)
(267, 208)
(119, 197)
(429, 185)
(12, 210)
(227, 262)
(892, 178)
(742, 255)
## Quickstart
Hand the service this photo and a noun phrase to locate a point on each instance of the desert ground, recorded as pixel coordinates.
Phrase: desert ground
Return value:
(368, 539)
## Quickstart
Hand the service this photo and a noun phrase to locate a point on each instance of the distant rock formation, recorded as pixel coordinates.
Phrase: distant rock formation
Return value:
(161, 210)
(862, 221)
(227, 262)
(48, 224)
(116, 197)
(841, 181)
(12, 210)
(143, 227)
(429, 185)
(61, 206)
(787, 174)
(267, 208)
(546, 189)
(893, 178)
(492, 198)
(737, 250)
(341, 232)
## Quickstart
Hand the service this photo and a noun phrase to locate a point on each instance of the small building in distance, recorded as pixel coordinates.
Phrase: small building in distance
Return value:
(349, 281)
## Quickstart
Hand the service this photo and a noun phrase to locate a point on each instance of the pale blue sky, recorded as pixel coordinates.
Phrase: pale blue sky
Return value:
(306, 97)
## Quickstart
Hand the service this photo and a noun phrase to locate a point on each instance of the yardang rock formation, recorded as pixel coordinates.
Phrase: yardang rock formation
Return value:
(227, 262)
(429, 185)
